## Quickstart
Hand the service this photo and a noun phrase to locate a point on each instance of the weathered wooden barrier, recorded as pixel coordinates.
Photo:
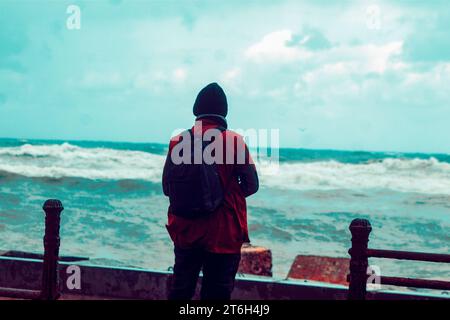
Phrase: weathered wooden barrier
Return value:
(360, 253)
(50, 286)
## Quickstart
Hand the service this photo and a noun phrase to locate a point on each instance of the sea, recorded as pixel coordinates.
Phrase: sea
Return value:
(115, 212)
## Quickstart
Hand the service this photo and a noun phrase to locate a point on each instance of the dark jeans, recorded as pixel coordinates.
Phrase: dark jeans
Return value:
(219, 271)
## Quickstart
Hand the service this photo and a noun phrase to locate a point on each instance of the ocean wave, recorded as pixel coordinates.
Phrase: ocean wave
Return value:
(66, 160)
(427, 176)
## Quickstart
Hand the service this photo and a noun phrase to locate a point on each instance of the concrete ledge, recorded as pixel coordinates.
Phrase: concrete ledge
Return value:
(131, 283)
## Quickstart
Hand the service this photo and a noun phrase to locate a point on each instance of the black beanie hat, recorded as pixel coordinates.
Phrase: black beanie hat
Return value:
(211, 100)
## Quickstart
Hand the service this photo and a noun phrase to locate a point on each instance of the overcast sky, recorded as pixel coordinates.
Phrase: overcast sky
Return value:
(355, 75)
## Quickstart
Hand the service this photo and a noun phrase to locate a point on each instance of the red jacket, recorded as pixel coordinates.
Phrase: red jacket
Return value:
(225, 230)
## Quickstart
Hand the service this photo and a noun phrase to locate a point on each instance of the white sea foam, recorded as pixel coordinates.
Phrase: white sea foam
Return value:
(66, 160)
(427, 176)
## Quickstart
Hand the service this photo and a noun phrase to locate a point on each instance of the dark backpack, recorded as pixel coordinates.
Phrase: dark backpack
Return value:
(195, 190)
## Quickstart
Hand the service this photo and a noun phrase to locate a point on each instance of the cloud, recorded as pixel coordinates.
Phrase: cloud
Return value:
(367, 58)
(430, 87)
(290, 63)
(231, 77)
(275, 46)
(332, 75)
(283, 46)
(344, 86)
(311, 38)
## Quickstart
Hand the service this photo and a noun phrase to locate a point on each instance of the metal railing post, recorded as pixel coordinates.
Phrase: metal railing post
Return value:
(50, 285)
(360, 230)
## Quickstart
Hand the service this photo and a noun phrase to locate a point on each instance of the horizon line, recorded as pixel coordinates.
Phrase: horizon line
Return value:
(280, 148)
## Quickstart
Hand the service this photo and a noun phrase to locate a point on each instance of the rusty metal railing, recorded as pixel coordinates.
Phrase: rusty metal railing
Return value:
(50, 281)
(360, 253)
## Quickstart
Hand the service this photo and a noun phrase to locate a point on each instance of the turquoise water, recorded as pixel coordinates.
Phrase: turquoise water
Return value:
(115, 210)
